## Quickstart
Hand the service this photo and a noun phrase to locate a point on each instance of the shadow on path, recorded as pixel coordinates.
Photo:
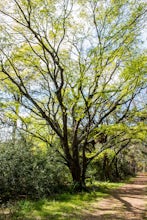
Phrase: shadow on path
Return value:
(125, 203)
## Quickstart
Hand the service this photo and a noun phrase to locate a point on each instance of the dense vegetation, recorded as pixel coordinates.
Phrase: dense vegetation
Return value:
(28, 172)
(73, 77)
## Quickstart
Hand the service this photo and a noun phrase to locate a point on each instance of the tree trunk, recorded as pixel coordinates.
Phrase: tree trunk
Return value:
(84, 166)
(116, 169)
(78, 177)
(75, 170)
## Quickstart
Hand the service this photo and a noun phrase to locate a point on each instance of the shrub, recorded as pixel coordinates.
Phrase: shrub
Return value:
(28, 172)
(109, 167)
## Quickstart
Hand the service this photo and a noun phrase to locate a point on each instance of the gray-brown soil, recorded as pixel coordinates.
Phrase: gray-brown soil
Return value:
(126, 203)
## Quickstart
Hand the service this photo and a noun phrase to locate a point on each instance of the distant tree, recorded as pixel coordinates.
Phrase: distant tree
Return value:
(77, 68)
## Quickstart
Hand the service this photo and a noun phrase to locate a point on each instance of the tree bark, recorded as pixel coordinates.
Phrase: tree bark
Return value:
(75, 170)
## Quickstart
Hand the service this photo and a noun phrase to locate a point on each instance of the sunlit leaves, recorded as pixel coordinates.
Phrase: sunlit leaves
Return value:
(136, 69)
(78, 72)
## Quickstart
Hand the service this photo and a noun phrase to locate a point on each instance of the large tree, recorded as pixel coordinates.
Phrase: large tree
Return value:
(75, 68)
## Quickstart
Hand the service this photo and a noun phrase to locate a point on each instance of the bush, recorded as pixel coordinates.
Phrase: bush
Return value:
(109, 167)
(29, 172)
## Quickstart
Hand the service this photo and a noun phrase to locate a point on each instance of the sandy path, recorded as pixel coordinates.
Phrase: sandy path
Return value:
(127, 203)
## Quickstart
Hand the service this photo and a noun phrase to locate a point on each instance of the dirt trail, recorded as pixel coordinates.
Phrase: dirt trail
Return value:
(127, 203)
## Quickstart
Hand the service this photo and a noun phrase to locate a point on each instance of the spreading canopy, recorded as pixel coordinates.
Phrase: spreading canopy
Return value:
(76, 70)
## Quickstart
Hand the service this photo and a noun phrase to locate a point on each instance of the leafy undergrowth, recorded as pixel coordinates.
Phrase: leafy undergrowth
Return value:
(62, 206)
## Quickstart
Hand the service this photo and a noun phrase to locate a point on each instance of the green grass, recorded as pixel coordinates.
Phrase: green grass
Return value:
(64, 206)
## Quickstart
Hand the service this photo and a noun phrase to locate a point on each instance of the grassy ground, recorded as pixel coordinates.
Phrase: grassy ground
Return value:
(59, 207)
